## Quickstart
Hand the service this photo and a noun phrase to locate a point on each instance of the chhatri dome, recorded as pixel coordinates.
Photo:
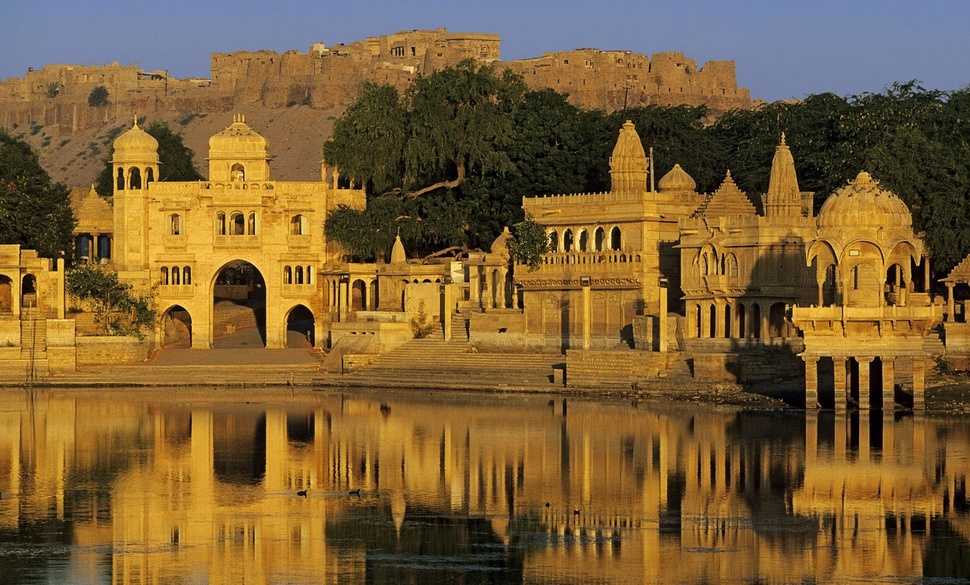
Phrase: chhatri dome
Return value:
(238, 153)
(135, 145)
(676, 179)
(863, 204)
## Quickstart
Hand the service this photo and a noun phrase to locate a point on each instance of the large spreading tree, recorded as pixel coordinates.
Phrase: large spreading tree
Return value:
(34, 211)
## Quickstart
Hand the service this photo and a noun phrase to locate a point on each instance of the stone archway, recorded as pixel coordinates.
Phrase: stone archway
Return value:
(300, 327)
(6, 294)
(239, 306)
(176, 328)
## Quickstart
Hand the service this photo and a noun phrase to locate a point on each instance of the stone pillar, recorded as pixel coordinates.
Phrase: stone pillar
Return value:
(448, 308)
(663, 317)
(811, 381)
(888, 383)
(487, 288)
(841, 383)
(474, 286)
(864, 390)
(587, 315)
(950, 312)
(919, 383)
(705, 325)
(343, 299)
(763, 325)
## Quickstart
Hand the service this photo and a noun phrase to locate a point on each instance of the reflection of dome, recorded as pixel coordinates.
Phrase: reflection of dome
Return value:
(238, 140)
(135, 145)
(677, 180)
(862, 204)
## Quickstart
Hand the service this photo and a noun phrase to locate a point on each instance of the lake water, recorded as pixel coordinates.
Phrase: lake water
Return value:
(199, 487)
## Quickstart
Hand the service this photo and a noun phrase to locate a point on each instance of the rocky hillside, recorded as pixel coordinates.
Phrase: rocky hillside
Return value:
(296, 136)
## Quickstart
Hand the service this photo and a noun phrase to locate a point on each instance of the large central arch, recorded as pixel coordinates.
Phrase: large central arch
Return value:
(238, 306)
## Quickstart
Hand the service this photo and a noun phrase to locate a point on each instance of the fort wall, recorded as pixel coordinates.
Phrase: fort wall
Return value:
(327, 77)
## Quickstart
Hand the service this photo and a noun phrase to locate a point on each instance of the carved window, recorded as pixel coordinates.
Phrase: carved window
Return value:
(615, 238)
(164, 275)
(599, 238)
(237, 172)
(298, 225)
(567, 241)
(187, 275)
(287, 275)
(553, 241)
(299, 275)
(251, 224)
(134, 178)
(120, 183)
(175, 275)
(237, 224)
(175, 225)
(221, 223)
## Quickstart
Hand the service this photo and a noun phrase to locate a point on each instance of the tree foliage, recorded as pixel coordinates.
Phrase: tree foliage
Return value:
(34, 211)
(529, 243)
(176, 160)
(117, 309)
(465, 145)
(98, 98)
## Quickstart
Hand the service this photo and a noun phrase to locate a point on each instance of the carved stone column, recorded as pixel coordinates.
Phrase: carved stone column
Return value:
(811, 381)
(888, 383)
(841, 383)
(864, 390)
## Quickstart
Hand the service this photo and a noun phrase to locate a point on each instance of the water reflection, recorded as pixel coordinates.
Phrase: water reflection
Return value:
(135, 488)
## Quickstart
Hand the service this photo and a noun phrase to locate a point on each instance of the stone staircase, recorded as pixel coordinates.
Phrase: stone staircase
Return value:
(933, 344)
(456, 365)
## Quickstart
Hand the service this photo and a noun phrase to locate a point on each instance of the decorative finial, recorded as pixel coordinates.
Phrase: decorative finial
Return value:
(783, 139)
(136, 121)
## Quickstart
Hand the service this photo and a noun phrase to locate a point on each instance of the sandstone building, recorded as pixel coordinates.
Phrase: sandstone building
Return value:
(180, 237)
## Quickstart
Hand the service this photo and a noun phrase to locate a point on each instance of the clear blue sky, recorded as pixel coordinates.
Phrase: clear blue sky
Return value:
(783, 48)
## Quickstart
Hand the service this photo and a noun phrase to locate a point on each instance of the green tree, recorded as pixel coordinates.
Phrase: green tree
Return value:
(368, 140)
(98, 98)
(34, 211)
(116, 308)
(530, 242)
(176, 160)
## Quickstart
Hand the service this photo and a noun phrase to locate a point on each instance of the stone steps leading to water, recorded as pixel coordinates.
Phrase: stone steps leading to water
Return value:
(455, 364)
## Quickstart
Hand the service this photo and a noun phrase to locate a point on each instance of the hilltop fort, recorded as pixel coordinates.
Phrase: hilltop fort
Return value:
(330, 76)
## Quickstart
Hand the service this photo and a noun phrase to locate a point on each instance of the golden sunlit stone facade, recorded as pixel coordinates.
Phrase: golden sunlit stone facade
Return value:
(176, 237)
(611, 254)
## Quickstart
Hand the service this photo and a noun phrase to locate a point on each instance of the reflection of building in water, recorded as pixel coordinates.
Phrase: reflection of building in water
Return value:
(580, 491)
(874, 484)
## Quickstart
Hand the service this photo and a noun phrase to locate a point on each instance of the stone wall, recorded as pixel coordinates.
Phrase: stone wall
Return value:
(620, 368)
(97, 351)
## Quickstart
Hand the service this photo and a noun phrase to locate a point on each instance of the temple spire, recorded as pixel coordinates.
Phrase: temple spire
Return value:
(783, 198)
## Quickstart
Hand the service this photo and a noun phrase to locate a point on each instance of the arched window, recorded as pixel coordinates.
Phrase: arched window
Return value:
(237, 224)
(187, 275)
(134, 178)
(175, 276)
(221, 223)
(164, 275)
(120, 183)
(149, 176)
(251, 225)
(567, 241)
(297, 225)
(553, 241)
(287, 275)
(175, 225)
(299, 275)
(583, 240)
(615, 240)
(309, 274)
(237, 172)
(599, 238)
